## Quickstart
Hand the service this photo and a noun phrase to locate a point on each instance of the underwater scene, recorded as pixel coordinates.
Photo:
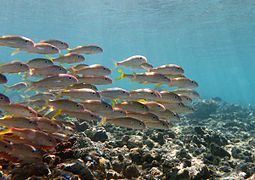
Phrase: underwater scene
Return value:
(127, 89)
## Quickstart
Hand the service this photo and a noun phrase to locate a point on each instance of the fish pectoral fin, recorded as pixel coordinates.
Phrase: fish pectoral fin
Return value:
(57, 113)
(157, 86)
(114, 102)
(102, 122)
(6, 88)
(141, 100)
(16, 51)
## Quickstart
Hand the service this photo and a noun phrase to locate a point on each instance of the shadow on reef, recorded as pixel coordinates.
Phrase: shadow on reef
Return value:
(217, 141)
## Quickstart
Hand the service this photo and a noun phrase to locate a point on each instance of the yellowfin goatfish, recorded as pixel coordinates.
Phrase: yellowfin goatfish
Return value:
(127, 122)
(37, 138)
(57, 43)
(4, 99)
(182, 82)
(19, 110)
(178, 107)
(95, 69)
(66, 104)
(44, 48)
(58, 81)
(168, 96)
(84, 93)
(145, 117)
(134, 61)
(82, 85)
(97, 107)
(20, 42)
(14, 67)
(3, 79)
(48, 71)
(39, 63)
(154, 106)
(132, 106)
(114, 93)
(85, 115)
(147, 77)
(86, 49)
(187, 92)
(167, 115)
(18, 122)
(157, 124)
(69, 58)
(145, 93)
(96, 80)
(168, 69)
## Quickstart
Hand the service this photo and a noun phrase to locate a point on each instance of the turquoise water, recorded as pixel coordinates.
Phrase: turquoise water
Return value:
(213, 40)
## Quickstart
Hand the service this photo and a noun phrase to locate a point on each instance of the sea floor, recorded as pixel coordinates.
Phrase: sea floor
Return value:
(215, 142)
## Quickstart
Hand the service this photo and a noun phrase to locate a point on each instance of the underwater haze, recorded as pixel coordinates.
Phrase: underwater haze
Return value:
(212, 40)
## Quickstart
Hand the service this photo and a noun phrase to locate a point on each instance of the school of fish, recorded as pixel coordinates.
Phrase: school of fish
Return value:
(66, 87)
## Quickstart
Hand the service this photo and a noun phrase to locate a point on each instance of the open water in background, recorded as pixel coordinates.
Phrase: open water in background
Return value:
(214, 40)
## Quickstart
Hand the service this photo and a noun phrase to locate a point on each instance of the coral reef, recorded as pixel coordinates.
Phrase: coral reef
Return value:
(217, 141)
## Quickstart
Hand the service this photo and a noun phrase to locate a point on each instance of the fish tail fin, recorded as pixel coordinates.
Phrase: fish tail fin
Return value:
(122, 74)
(6, 131)
(73, 71)
(16, 51)
(103, 121)
(6, 88)
(49, 57)
(44, 107)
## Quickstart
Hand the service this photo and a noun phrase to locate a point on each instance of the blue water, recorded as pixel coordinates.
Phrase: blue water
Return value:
(212, 39)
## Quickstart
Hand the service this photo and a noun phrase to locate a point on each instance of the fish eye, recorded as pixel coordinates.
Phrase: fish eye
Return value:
(1, 97)
(53, 48)
(70, 78)
(50, 140)
(5, 146)
(61, 43)
(105, 79)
